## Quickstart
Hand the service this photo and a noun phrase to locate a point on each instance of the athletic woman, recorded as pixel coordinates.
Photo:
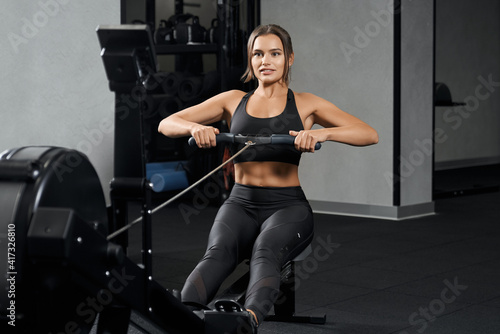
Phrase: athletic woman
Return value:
(266, 218)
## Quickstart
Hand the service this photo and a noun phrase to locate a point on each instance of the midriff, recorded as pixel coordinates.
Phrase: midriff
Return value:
(267, 174)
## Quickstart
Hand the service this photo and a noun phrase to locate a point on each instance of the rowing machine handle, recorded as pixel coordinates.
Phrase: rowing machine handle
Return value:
(288, 140)
(220, 138)
(278, 139)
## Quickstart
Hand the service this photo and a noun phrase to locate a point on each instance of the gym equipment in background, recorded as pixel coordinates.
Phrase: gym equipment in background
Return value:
(178, 30)
(167, 176)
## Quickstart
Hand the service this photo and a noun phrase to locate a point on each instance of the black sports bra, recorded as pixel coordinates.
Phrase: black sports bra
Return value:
(244, 124)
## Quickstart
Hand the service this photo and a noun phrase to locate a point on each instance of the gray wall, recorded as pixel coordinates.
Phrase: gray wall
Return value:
(467, 56)
(53, 87)
(345, 53)
(338, 60)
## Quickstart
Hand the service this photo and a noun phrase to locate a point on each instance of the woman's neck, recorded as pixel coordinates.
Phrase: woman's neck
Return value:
(273, 90)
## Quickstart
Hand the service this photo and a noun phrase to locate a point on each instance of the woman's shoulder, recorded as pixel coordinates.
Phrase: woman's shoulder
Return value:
(309, 103)
(227, 97)
(228, 100)
(307, 100)
(233, 94)
(305, 96)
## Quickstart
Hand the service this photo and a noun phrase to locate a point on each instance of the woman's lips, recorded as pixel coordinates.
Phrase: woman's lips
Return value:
(266, 71)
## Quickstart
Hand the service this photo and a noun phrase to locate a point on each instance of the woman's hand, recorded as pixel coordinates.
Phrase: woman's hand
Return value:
(204, 135)
(305, 140)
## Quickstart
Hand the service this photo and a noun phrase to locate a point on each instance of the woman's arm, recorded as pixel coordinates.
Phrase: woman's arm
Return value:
(337, 125)
(193, 121)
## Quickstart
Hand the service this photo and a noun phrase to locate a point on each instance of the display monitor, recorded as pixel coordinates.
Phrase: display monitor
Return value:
(128, 52)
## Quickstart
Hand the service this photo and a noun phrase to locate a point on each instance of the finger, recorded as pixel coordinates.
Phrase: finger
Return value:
(201, 140)
(213, 140)
(311, 144)
(305, 142)
(209, 138)
(297, 141)
(198, 139)
(204, 139)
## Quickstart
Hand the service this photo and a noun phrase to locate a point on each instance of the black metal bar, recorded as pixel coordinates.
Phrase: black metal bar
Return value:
(119, 219)
(257, 11)
(179, 6)
(123, 11)
(151, 14)
(147, 244)
(250, 16)
(128, 147)
(284, 308)
(223, 45)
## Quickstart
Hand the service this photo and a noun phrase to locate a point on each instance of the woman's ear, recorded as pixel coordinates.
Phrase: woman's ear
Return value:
(290, 60)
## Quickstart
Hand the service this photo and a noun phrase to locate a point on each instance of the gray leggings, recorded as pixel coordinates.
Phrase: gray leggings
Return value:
(269, 226)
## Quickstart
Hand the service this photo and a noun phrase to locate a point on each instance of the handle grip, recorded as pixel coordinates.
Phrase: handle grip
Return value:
(231, 138)
(220, 138)
(191, 141)
(288, 140)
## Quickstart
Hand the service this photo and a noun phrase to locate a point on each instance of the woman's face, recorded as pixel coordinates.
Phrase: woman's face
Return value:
(268, 59)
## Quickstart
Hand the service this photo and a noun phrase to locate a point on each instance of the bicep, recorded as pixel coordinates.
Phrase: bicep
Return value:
(329, 115)
(211, 110)
(207, 112)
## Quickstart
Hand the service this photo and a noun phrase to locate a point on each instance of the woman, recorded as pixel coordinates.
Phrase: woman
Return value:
(267, 217)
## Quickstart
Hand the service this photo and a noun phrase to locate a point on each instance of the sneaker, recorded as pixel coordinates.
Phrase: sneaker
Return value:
(230, 317)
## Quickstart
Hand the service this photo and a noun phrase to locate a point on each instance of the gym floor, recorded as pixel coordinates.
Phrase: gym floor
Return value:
(434, 274)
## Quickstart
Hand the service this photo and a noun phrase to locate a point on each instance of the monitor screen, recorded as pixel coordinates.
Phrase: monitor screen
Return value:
(128, 52)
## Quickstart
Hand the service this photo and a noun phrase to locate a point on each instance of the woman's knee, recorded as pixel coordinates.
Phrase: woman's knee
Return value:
(221, 253)
(284, 236)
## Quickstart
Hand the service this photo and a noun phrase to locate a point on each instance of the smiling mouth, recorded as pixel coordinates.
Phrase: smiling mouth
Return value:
(266, 71)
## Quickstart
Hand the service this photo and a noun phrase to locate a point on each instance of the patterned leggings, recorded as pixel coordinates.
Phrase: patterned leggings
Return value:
(269, 226)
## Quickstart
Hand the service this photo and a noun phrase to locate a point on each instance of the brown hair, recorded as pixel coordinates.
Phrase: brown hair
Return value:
(287, 49)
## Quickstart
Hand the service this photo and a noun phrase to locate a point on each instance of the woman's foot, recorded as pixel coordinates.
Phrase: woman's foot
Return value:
(255, 321)
(250, 324)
